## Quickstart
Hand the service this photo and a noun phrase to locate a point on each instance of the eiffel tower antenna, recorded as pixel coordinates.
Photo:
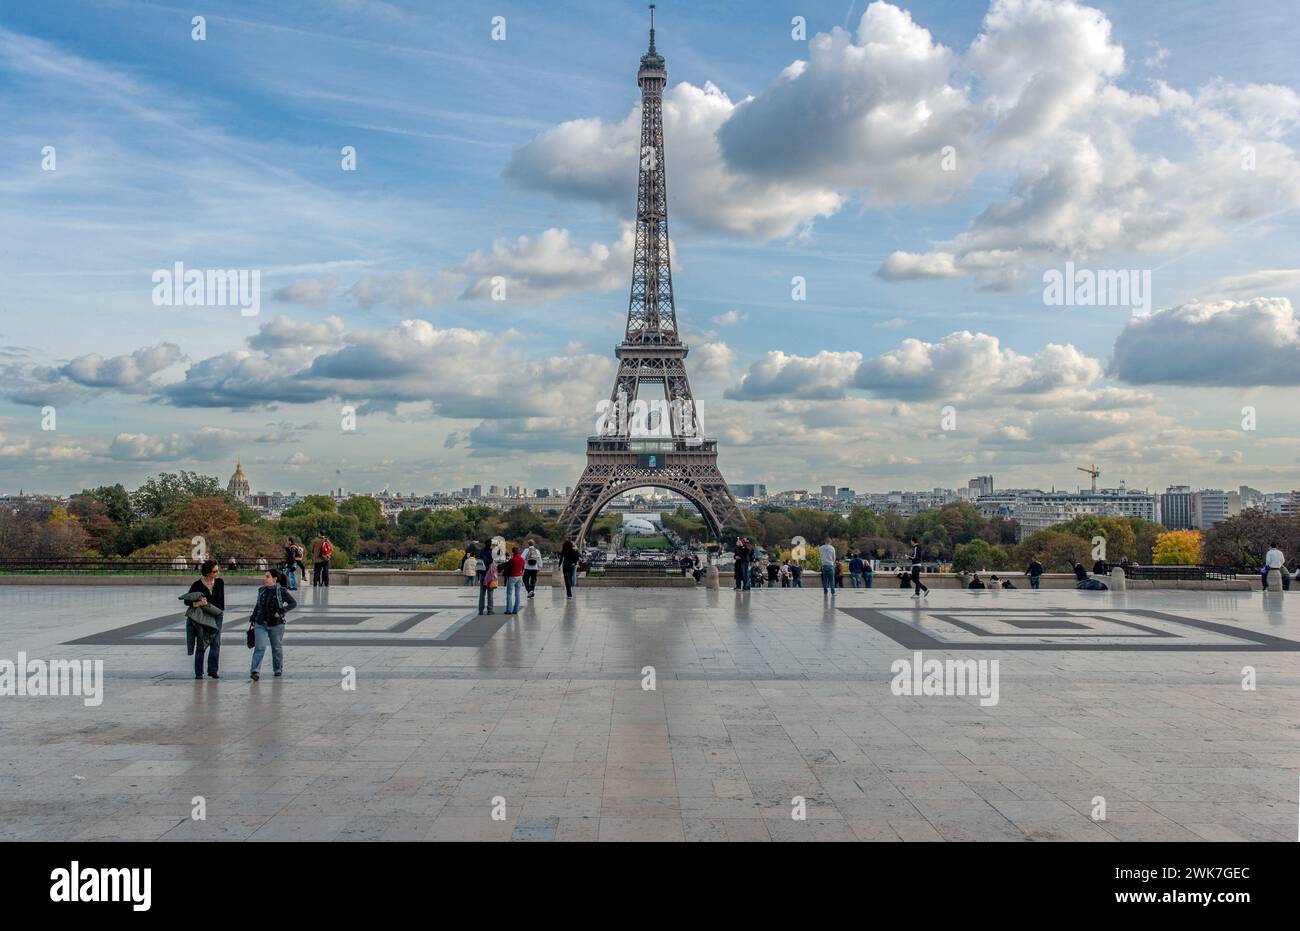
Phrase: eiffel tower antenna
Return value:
(656, 441)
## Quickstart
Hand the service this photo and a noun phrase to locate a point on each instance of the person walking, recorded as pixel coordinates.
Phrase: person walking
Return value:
(469, 567)
(487, 584)
(827, 554)
(212, 594)
(267, 623)
(1035, 572)
(532, 565)
(322, 551)
(569, 567)
(514, 580)
(920, 587)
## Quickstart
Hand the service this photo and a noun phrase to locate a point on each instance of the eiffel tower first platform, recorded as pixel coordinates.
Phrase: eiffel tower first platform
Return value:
(657, 442)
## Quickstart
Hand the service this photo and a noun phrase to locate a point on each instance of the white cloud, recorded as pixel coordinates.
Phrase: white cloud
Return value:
(776, 375)
(1239, 343)
(547, 266)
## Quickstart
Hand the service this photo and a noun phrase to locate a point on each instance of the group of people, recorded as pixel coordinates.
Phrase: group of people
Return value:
(322, 551)
(206, 607)
(487, 567)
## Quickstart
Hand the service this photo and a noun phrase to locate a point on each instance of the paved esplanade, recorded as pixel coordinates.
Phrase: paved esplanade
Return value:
(1135, 699)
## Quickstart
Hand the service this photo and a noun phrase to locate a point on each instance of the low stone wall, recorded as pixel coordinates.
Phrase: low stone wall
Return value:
(411, 577)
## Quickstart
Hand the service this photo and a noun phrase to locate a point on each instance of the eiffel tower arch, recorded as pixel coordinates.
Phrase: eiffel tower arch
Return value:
(657, 441)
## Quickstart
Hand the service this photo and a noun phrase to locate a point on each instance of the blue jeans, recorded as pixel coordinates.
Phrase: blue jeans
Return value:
(214, 652)
(469, 580)
(797, 579)
(484, 595)
(1034, 580)
(828, 579)
(262, 635)
(856, 579)
(512, 593)
(867, 579)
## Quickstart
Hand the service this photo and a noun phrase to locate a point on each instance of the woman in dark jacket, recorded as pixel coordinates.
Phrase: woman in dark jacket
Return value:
(213, 591)
(273, 601)
(569, 566)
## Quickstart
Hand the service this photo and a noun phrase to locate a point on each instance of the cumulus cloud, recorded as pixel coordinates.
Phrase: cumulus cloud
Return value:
(548, 265)
(870, 111)
(446, 372)
(88, 375)
(965, 364)
(713, 359)
(283, 332)
(588, 159)
(124, 371)
(1236, 343)
(776, 375)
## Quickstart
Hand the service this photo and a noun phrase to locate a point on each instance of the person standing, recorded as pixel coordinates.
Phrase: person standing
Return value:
(514, 580)
(744, 559)
(855, 569)
(868, 573)
(532, 565)
(569, 567)
(321, 553)
(468, 567)
(1274, 559)
(487, 584)
(1035, 572)
(796, 573)
(213, 590)
(920, 587)
(827, 554)
(267, 622)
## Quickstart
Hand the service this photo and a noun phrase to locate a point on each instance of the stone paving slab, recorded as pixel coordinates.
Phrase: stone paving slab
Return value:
(764, 704)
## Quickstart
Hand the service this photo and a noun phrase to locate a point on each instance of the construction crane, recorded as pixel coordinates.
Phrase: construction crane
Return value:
(1094, 472)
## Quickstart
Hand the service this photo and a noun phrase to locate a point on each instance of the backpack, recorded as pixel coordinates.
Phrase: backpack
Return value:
(326, 551)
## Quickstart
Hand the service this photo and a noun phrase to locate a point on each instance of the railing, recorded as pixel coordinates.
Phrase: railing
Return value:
(113, 566)
(1183, 573)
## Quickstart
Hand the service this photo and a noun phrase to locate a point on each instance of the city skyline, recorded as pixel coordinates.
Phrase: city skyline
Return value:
(925, 345)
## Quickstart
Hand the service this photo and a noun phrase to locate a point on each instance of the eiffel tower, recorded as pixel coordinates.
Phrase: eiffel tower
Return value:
(656, 442)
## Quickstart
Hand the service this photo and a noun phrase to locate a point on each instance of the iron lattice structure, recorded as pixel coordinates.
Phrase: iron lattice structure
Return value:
(632, 450)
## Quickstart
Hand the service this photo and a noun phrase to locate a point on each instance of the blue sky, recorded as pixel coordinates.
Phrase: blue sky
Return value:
(1108, 135)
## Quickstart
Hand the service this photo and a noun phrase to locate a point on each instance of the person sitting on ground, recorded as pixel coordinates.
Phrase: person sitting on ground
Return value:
(1086, 583)
(1001, 583)
(975, 581)
(904, 580)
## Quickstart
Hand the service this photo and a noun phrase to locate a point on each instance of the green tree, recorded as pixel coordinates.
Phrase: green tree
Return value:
(116, 501)
(1058, 550)
(368, 512)
(312, 504)
(979, 555)
(167, 490)
(1243, 539)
